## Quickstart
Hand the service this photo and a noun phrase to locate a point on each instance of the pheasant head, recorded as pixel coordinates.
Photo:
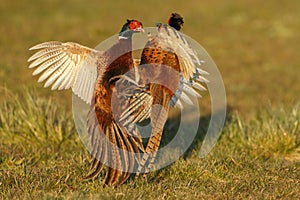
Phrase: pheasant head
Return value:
(130, 27)
(176, 21)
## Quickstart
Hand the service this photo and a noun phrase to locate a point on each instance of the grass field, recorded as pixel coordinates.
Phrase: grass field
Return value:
(256, 47)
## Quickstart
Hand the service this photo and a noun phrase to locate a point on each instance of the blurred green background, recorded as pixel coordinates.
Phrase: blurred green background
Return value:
(254, 43)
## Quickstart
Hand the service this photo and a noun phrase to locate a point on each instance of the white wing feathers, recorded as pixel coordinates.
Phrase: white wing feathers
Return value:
(174, 41)
(66, 65)
(191, 75)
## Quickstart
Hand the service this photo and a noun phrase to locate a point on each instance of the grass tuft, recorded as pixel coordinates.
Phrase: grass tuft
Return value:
(271, 134)
(30, 118)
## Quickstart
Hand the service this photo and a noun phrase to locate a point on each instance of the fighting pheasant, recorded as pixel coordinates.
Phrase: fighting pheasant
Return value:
(91, 75)
(169, 68)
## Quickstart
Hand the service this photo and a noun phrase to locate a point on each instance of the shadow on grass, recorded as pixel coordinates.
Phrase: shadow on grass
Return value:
(172, 125)
(171, 129)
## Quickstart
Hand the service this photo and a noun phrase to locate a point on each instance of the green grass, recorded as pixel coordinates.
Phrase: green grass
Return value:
(42, 156)
(256, 47)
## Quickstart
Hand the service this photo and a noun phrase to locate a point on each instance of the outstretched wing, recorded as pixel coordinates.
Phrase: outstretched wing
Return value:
(174, 41)
(191, 72)
(67, 65)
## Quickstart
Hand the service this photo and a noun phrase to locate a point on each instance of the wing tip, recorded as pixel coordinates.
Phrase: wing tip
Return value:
(45, 45)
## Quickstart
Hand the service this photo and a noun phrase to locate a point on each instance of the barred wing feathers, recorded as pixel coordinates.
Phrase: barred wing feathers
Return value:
(67, 65)
(189, 62)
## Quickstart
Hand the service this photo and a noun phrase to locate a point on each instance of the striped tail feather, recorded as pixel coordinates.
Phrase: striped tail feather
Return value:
(158, 117)
(112, 146)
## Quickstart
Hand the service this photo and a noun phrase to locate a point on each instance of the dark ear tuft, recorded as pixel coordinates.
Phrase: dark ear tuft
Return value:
(128, 20)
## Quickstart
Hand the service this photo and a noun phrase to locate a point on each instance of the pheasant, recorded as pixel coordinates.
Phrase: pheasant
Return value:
(169, 68)
(91, 75)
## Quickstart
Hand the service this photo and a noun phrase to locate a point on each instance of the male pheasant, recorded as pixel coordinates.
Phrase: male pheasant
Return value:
(169, 68)
(90, 74)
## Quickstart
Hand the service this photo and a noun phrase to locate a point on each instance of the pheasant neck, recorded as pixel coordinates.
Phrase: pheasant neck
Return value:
(125, 35)
(125, 44)
(119, 60)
